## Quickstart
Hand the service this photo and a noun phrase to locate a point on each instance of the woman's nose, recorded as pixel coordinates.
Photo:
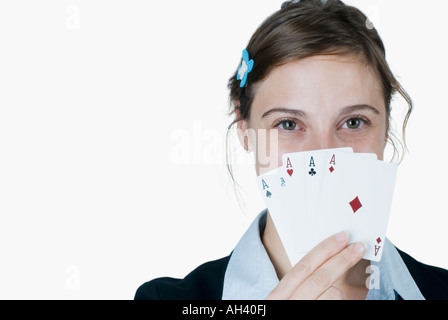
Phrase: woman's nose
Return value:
(321, 140)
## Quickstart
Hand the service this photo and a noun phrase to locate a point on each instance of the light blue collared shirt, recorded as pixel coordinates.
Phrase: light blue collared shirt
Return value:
(250, 274)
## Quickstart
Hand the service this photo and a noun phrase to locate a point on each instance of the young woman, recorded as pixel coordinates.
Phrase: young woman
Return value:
(314, 72)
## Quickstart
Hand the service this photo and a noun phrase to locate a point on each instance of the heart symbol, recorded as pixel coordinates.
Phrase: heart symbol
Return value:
(290, 171)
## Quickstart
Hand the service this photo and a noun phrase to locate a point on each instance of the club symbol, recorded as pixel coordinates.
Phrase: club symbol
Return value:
(312, 172)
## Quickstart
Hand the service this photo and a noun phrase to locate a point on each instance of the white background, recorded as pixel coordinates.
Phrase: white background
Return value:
(112, 139)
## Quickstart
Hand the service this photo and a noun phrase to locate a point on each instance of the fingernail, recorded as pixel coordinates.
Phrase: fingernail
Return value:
(360, 247)
(341, 236)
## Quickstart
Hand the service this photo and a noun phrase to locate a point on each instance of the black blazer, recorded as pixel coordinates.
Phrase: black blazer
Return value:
(206, 282)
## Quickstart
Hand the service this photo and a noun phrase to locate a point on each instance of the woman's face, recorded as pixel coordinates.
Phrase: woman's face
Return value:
(320, 102)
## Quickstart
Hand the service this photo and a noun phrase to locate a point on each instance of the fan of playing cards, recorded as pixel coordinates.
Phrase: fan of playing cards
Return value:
(315, 194)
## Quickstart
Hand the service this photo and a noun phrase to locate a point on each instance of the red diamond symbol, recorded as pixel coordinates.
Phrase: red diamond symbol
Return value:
(355, 204)
(378, 240)
(331, 169)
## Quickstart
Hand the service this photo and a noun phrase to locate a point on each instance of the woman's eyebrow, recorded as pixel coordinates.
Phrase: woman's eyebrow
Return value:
(345, 111)
(295, 112)
(358, 107)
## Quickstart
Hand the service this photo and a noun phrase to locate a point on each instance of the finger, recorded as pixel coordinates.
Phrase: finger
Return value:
(308, 264)
(332, 293)
(326, 275)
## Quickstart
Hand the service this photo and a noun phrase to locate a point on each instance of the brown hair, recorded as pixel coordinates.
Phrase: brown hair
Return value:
(302, 29)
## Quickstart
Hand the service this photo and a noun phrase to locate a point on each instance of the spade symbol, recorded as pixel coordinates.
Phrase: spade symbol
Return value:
(268, 194)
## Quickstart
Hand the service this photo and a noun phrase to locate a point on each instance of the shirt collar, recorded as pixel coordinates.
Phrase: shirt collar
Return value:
(393, 277)
(250, 274)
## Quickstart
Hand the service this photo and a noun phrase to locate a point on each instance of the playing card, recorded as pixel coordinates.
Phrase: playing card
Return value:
(317, 193)
(308, 174)
(356, 196)
(277, 196)
(299, 219)
(306, 169)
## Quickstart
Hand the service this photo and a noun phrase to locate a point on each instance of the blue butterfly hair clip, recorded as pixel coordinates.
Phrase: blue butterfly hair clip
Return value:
(245, 68)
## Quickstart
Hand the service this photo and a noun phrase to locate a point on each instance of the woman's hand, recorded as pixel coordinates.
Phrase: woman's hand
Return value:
(314, 275)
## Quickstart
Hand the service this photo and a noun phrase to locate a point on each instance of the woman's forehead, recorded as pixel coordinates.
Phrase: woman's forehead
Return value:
(320, 80)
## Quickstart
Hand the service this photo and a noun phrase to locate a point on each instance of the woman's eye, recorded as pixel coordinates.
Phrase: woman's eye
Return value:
(353, 123)
(287, 125)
